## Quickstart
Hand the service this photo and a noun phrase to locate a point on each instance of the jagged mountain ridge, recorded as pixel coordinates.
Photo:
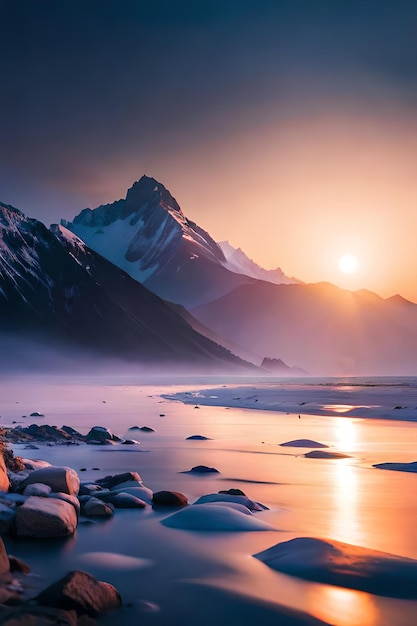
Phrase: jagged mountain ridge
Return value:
(54, 289)
(237, 261)
(149, 237)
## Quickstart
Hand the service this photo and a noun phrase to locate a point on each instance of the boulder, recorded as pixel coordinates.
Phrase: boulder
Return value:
(4, 479)
(66, 497)
(81, 592)
(94, 507)
(109, 482)
(99, 434)
(4, 559)
(45, 518)
(38, 616)
(37, 489)
(143, 493)
(169, 498)
(62, 479)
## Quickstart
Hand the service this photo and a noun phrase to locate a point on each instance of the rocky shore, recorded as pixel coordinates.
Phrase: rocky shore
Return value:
(40, 501)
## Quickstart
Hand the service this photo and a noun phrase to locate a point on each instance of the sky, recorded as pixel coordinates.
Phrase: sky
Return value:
(287, 127)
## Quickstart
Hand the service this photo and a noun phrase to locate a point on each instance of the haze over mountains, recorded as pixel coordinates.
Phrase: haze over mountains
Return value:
(98, 287)
(56, 293)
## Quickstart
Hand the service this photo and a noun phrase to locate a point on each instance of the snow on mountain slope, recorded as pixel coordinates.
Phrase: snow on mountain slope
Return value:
(237, 261)
(55, 290)
(148, 236)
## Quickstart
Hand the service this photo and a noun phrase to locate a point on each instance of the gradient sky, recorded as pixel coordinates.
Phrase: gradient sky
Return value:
(287, 127)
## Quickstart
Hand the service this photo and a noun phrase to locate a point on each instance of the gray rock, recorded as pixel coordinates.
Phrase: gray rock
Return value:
(37, 489)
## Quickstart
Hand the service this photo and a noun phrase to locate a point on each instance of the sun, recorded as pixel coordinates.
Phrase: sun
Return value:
(348, 264)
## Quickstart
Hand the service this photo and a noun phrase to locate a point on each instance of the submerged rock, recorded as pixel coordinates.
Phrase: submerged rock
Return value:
(197, 438)
(225, 497)
(399, 467)
(322, 454)
(336, 563)
(304, 443)
(214, 517)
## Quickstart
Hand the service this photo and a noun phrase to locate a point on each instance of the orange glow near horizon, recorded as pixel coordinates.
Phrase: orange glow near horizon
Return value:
(297, 193)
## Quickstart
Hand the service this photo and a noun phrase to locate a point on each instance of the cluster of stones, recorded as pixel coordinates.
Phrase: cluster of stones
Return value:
(42, 501)
(66, 435)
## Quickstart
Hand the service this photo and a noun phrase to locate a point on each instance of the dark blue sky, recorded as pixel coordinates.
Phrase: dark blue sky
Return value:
(96, 93)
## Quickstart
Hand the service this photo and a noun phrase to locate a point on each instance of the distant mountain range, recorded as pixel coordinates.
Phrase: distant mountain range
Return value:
(138, 280)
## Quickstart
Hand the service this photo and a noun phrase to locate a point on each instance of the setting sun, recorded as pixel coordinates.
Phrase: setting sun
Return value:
(348, 264)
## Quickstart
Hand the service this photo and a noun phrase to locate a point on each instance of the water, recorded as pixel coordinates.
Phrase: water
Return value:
(199, 577)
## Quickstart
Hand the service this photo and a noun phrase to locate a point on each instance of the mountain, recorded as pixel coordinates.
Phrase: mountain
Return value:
(148, 236)
(237, 261)
(320, 327)
(57, 293)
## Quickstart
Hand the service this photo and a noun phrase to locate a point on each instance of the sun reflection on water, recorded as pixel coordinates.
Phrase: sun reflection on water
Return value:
(344, 607)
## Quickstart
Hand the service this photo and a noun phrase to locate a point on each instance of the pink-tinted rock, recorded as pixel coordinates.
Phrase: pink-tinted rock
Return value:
(82, 593)
(62, 479)
(44, 518)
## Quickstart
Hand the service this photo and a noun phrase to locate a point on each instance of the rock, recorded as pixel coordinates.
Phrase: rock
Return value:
(45, 518)
(4, 559)
(214, 517)
(37, 489)
(322, 454)
(147, 429)
(100, 434)
(124, 500)
(91, 489)
(62, 479)
(110, 482)
(398, 467)
(141, 492)
(82, 593)
(203, 469)
(304, 443)
(66, 497)
(35, 464)
(198, 438)
(37, 414)
(225, 497)
(130, 442)
(97, 508)
(17, 565)
(233, 492)
(38, 616)
(4, 479)
(169, 498)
